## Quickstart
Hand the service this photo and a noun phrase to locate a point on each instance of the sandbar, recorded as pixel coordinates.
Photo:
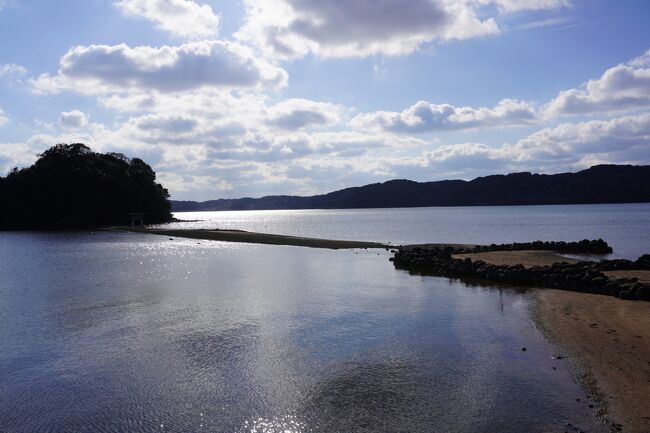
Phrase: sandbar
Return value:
(255, 238)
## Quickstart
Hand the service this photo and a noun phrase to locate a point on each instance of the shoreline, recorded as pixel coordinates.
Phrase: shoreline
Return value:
(608, 343)
(607, 340)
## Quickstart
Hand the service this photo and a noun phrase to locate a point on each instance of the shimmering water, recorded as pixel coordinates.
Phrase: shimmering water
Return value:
(112, 332)
(625, 226)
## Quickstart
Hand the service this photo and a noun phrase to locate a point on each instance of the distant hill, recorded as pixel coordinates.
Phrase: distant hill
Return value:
(598, 184)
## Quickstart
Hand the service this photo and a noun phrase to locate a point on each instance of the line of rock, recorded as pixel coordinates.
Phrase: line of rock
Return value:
(585, 276)
(584, 246)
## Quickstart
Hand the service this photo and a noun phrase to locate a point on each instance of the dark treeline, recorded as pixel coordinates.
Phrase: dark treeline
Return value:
(71, 186)
(598, 184)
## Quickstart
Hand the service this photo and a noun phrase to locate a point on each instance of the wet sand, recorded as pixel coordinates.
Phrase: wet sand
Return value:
(609, 338)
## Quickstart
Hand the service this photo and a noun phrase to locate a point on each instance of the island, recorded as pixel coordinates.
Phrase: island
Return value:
(70, 186)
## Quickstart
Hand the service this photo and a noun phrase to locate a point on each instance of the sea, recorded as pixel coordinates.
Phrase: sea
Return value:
(121, 332)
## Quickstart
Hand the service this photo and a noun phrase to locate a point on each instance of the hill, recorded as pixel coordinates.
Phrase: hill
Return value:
(598, 184)
(71, 186)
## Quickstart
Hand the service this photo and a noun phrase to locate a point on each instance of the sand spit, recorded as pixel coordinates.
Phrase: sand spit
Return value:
(255, 238)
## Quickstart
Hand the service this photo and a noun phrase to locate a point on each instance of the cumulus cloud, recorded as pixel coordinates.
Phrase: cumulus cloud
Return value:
(294, 114)
(426, 117)
(74, 119)
(182, 18)
(343, 28)
(120, 68)
(622, 87)
(612, 139)
(568, 145)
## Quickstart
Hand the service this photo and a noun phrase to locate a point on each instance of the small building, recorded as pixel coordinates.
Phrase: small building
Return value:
(137, 219)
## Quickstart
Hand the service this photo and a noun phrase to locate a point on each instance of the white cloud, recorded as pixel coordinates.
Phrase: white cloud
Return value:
(3, 118)
(613, 139)
(426, 117)
(104, 69)
(643, 61)
(509, 6)
(294, 114)
(11, 69)
(344, 28)
(182, 18)
(74, 119)
(565, 147)
(16, 155)
(622, 87)
(167, 124)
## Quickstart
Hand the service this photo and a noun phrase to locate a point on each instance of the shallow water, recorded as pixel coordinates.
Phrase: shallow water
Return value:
(113, 332)
(625, 226)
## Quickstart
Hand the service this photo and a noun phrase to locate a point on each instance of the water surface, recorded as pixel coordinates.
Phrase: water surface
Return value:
(625, 226)
(111, 332)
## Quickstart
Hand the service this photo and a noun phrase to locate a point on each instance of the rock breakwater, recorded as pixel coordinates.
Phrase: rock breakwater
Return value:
(584, 276)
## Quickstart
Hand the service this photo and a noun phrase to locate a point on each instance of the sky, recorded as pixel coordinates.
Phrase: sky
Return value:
(227, 98)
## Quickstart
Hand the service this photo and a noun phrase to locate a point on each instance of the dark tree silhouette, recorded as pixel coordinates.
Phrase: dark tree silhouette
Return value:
(72, 186)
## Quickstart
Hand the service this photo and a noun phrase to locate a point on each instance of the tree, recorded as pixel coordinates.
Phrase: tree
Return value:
(72, 186)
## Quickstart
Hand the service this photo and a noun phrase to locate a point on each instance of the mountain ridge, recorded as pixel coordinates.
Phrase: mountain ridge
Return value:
(605, 183)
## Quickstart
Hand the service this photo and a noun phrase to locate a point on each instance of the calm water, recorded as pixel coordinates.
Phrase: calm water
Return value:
(625, 226)
(113, 332)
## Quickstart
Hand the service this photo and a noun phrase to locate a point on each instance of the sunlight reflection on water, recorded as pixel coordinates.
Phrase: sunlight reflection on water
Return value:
(625, 226)
(283, 424)
(124, 333)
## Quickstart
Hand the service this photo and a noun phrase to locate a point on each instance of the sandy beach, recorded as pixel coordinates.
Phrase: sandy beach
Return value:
(609, 339)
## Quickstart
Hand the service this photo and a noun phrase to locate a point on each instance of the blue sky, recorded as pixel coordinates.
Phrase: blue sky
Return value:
(256, 97)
